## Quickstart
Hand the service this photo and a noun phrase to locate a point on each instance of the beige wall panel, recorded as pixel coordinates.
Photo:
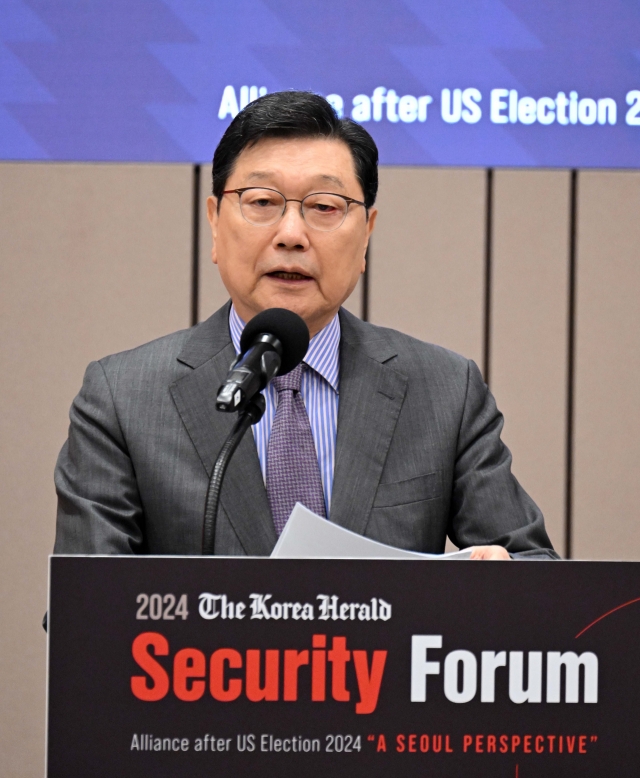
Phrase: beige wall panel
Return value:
(211, 291)
(427, 256)
(93, 259)
(529, 323)
(606, 522)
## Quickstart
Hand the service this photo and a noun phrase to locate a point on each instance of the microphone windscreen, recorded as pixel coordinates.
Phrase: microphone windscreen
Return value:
(288, 327)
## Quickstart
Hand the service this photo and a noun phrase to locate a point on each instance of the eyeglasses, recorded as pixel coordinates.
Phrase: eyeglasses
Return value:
(321, 210)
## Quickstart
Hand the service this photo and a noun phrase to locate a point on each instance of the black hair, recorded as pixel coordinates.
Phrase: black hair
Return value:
(295, 115)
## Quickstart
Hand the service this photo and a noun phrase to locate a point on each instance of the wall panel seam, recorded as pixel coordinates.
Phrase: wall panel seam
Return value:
(488, 250)
(195, 245)
(571, 338)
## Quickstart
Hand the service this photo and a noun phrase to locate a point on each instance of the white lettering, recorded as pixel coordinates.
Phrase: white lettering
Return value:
(423, 102)
(573, 107)
(408, 109)
(392, 102)
(331, 608)
(451, 107)
(572, 664)
(513, 106)
(361, 111)
(460, 674)
(561, 108)
(276, 610)
(384, 611)
(471, 113)
(469, 676)
(420, 666)
(364, 614)
(527, 110)
(337, 103)
(587, 111)
(228, 104)
(491, 660)
(207, 607)
(378, 99)
(545, 111)
(607, 110)
(633, 114)
(498, 104)
(259, 606)
(517, 692)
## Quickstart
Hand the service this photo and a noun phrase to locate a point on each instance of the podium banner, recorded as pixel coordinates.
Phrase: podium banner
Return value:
(166, 666)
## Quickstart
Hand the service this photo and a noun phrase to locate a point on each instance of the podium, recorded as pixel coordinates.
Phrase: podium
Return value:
(201, 666)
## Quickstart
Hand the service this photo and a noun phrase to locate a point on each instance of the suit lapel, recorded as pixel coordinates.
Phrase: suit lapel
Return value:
(244, 499)
(371, 396)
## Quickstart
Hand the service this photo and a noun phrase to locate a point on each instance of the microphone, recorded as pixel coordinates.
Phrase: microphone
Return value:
(273, 343)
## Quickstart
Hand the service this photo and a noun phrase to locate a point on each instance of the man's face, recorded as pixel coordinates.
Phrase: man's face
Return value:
(289, 264)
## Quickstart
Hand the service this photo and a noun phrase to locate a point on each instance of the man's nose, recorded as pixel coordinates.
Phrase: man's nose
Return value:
(292, 229)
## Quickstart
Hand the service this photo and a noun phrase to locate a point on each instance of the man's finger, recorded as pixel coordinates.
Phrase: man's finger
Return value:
(490, 552)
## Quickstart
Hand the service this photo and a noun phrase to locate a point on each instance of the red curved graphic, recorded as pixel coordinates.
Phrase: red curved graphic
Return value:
(608, 613)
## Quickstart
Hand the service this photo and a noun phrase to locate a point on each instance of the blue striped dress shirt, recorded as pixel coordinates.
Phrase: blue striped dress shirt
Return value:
(319, 390)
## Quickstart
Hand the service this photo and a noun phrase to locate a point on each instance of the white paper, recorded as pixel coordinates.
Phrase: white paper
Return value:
(308, 535)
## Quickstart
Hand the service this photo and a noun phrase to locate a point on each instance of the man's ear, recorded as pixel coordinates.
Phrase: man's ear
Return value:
(212, 216)
(371, 221)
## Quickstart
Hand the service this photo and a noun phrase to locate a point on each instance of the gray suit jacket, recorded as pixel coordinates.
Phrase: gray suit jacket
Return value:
(418, 452)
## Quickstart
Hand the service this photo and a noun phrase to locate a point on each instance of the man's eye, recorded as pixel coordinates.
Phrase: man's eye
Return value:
(261, 202)
(324, 207)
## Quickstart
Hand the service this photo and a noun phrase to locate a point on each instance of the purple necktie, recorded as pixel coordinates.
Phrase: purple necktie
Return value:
(293, 474)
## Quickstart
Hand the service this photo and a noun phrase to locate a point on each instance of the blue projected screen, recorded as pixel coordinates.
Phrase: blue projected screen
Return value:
(444, 82)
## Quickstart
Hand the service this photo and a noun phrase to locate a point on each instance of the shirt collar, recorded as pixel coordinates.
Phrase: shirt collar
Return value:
(323, 354)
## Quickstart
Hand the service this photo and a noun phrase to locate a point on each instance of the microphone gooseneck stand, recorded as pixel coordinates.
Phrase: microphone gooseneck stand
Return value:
(271, 344)
(251, 414)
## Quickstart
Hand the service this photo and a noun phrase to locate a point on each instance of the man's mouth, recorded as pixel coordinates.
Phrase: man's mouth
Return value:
(285, 276)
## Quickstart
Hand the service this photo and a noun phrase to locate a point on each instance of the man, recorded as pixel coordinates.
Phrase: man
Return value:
(388, 436)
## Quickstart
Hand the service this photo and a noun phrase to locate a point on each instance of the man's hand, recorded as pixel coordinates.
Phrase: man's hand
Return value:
(489, 552)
